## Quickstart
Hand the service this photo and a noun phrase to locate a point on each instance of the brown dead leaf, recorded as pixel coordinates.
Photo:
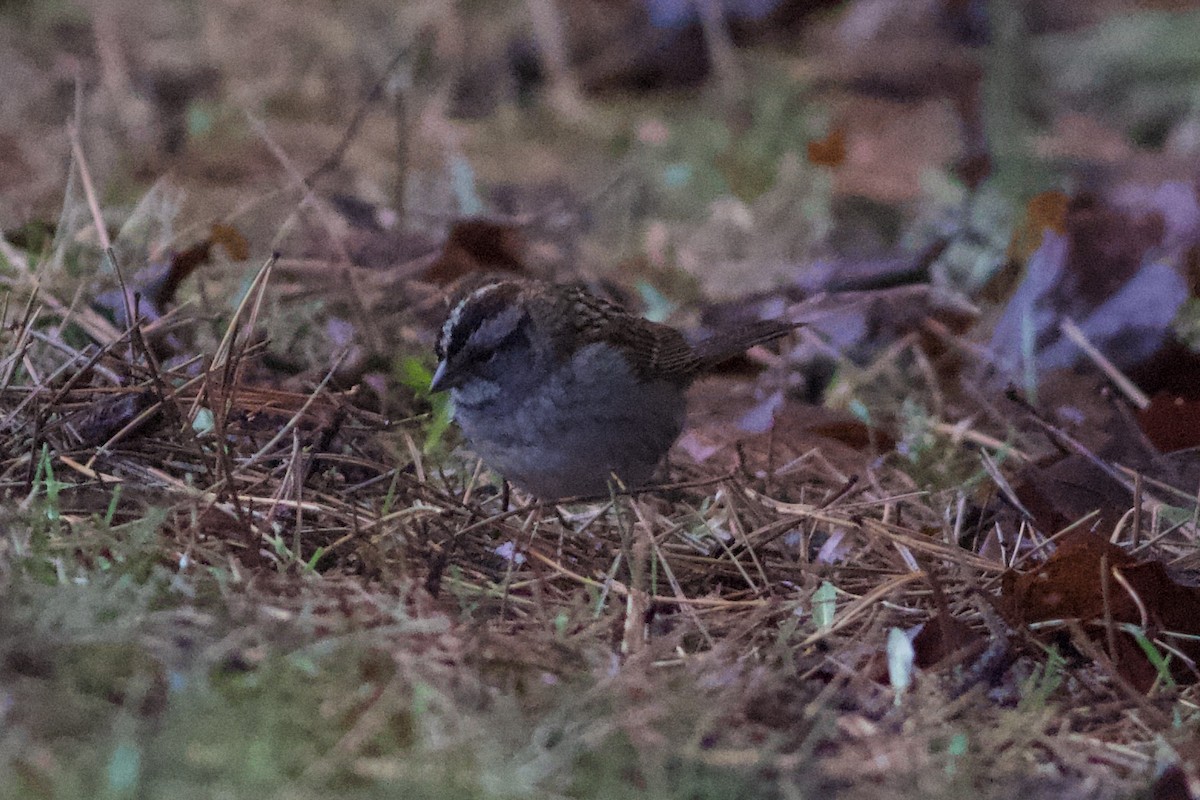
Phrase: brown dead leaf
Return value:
(1072, 487)
(1181, 780)
(1067, 584)
(1174, 369)
(941, 638)
(1172, 784)
(830, 151)
(185, 262)
(1171, 422)
(1094, 581)
(1107, 246)
(478, 245)
(1117, 272)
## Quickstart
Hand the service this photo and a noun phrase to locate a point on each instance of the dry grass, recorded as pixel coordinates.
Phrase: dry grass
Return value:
(222, 578)
(650, 642)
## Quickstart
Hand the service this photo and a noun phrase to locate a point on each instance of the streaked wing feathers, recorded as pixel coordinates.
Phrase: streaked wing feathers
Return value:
(731, 342)
(654, 350)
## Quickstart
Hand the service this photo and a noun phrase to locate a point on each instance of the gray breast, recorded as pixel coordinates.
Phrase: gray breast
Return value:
(567, 434)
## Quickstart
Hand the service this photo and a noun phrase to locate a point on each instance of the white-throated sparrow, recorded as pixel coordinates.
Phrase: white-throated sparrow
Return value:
(559, 390)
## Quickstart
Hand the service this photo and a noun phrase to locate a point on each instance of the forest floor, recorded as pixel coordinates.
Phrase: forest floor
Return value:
(941, 543)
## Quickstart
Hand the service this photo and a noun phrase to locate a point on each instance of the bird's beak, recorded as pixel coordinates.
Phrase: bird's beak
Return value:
(439, 378)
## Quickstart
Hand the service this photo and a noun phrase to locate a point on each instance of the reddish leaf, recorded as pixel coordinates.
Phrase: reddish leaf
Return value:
(1174, 369)
(157, 283)
(1072, 584)
(478, 245)
(1115, 271)
(830, 151)
(185, 262)
(1171, 422)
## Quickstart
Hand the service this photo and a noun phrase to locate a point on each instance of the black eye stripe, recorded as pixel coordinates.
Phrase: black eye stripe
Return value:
(473, 356)
(473, 312)
(516, 335)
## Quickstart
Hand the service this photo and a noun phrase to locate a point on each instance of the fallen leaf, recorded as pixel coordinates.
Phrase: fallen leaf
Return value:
(477, 245)
(1060, 493)
(1171, 422)
(830, 151)
(940, 638)
(1092, 580)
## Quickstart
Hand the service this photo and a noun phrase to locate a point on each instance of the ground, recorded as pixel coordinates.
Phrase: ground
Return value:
(245, 552)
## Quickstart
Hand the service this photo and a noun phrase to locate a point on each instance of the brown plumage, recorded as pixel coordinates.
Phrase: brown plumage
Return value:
(560, 390)
(654, 349)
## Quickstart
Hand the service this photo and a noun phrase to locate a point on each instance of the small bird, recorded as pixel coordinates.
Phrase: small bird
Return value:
(559, 390)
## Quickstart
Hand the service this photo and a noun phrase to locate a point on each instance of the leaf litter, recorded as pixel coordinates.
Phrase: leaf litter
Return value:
(233, 539)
